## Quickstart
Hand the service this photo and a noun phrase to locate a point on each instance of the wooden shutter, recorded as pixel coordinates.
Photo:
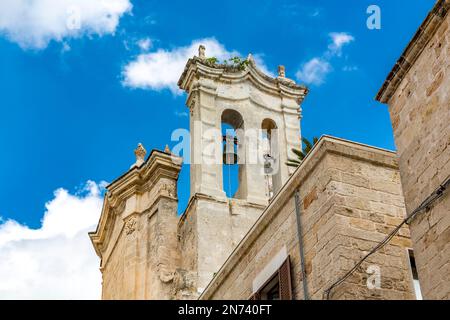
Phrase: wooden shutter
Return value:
(284, 278)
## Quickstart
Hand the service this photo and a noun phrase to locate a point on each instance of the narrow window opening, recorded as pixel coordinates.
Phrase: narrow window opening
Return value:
(415, 275)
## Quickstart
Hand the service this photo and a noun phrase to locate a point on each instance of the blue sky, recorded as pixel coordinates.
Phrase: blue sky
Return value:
(68, 118)
(70, 113)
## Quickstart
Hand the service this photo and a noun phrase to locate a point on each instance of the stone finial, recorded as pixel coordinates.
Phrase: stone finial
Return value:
(201, 51)
(250, 58)
(167, 149)
(140, 153)
(281, 71)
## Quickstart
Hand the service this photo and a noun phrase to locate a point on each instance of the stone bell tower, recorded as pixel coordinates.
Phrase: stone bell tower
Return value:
(147, 251)
(240, 96)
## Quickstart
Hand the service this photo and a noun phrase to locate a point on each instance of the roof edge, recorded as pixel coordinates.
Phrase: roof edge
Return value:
(413, 50)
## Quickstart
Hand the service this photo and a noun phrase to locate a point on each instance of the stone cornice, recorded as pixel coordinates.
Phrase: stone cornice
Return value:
(413, 50)
(326, 144)
(136, 180)
(201, 196)
(196, 67)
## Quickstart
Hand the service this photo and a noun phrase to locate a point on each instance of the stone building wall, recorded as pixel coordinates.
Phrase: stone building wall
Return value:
(137, 233)
(418, 94)
(351, 199)
(214, 228)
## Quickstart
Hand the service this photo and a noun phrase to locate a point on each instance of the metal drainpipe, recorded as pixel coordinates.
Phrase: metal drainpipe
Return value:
(300, 244)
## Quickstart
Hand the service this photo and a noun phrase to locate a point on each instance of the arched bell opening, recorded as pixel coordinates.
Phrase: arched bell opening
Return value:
(233, 166)
(271, 156)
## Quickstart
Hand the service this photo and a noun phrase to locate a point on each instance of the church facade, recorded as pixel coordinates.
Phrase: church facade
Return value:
(333, 228)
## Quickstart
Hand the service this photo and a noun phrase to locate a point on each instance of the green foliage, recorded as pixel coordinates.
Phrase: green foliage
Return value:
(238, 63)
(212, 60)
(233, 62)
(301, 154)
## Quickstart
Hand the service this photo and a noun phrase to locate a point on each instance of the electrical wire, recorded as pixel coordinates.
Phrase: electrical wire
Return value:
(425, 205)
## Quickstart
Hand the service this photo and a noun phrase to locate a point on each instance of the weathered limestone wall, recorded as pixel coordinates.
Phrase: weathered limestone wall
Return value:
(137, 234)
(186, 280)
(351, 198)
(214, 90)
(420, 115)
(206, 111)
(209, 231)
(143, 256)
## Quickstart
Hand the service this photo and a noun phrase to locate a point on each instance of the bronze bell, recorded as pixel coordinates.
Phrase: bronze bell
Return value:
(230, 157)
(268, 164)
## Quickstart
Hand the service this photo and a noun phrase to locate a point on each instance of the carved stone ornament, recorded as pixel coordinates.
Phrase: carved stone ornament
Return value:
(140, 153)
(191, 107)
(165, 275)
(282, 71)
(201, 51)
(130, 226)
(168, 189)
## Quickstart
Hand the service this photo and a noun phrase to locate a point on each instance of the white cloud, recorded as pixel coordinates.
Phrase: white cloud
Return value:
(34, 23)
(145, 44)
(315, 70)
(339, 39)
(161, 69)
(56, 261)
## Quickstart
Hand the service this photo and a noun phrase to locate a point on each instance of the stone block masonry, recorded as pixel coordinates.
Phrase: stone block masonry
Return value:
(351, 199)
(418, 94)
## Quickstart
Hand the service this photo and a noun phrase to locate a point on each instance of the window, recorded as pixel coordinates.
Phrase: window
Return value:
(415, 275)
(278, 287)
